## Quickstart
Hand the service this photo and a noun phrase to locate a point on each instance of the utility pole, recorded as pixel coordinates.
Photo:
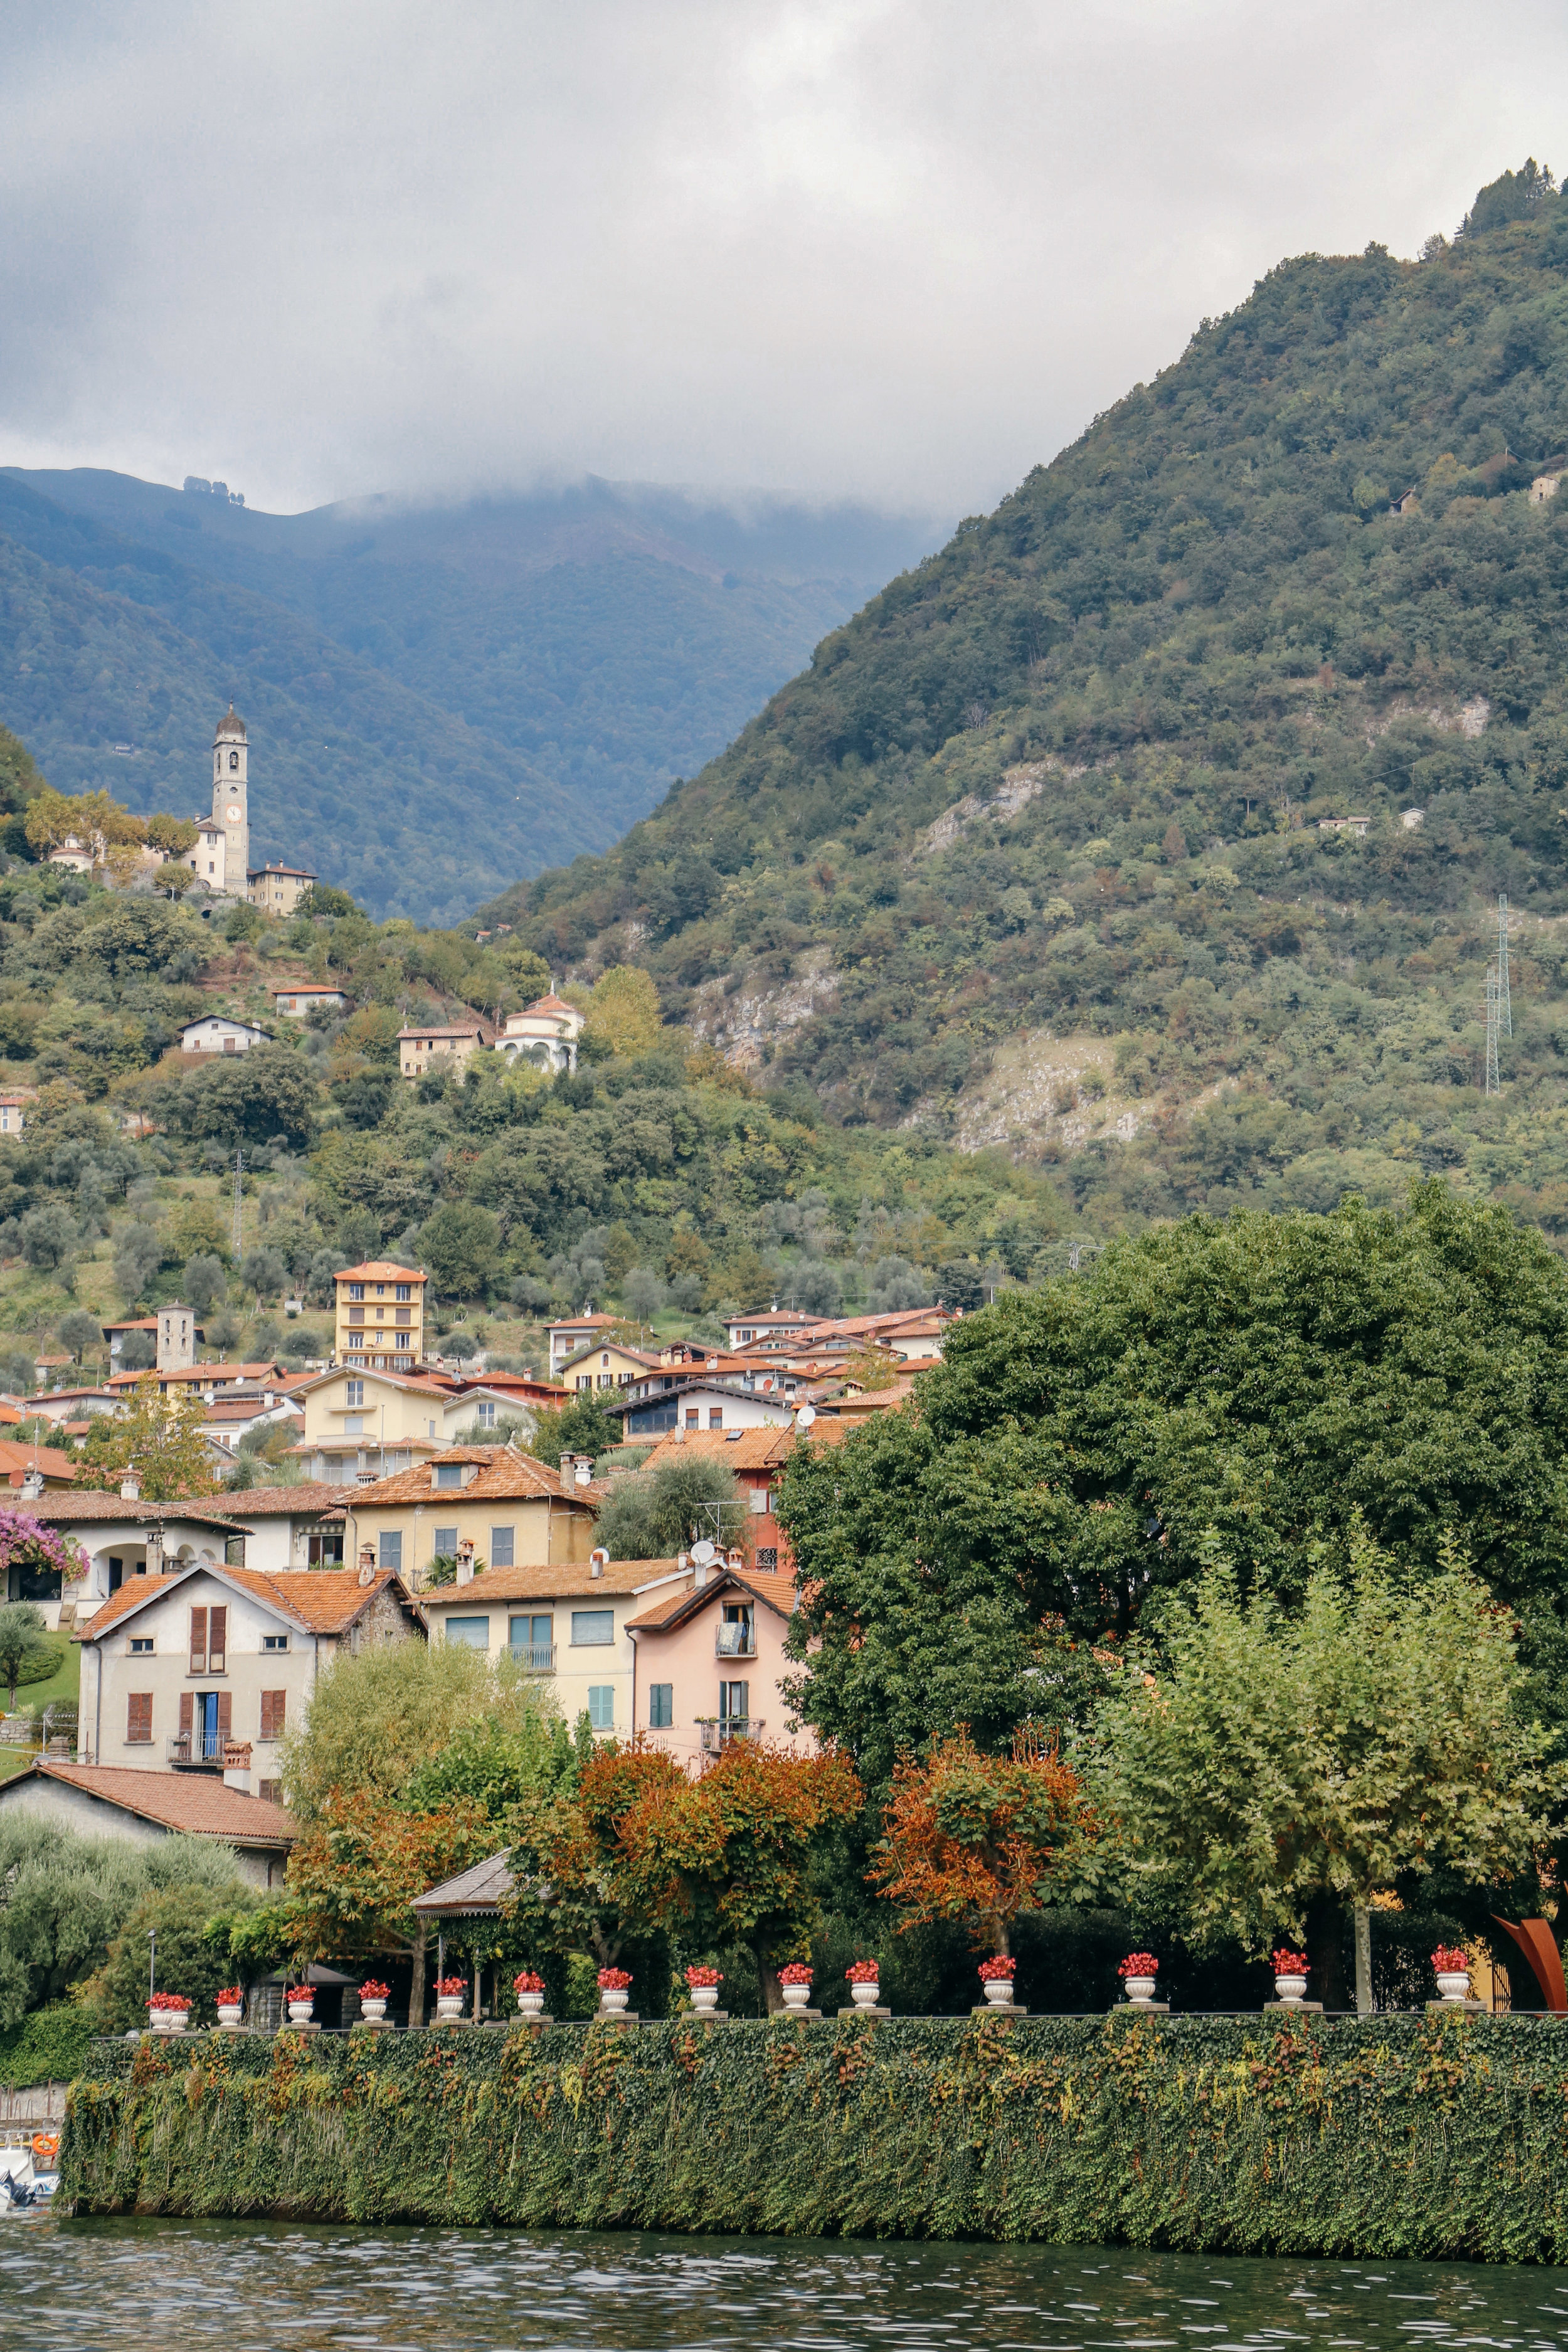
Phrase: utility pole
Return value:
(238, 1173)
(1505, 1009)
(1492, 1083)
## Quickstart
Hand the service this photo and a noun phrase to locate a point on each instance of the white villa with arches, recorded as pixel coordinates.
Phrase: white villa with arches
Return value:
(545, 1032)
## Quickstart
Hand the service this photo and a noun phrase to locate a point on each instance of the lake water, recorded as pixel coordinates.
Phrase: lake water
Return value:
(179, 2286)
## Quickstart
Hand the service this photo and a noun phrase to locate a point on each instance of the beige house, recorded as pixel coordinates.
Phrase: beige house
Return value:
(361, 1424)
(303, 996)
(219, 1034)
(14, 1113)
(380, 1317)
(545, 1032)
(202, 1670)
(575, 1332)
(605, 1365)
(445, 1045)
(567, 1624)
(278, 890)
(474, 1503)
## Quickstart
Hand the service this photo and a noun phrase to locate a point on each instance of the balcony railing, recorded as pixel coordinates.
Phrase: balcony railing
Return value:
(735, 1641)
(716, 1735)
(535, 1657)
(215, 1750)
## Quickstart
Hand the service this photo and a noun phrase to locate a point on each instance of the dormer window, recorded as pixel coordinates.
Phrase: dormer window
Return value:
(448, 1474)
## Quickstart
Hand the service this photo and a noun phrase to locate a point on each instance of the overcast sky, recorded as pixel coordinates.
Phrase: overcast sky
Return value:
(898, 249)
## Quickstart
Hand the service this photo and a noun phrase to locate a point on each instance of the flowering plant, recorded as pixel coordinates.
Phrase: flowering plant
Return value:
(1138, 1964)
(796, 1973)
(528, 1981)
(231, 1997)
(992, 1971)
(865, 1972)
(702, 1975)
(614, 1979)
(293, 1993)
(374, 1990)
(451, 1988)
(1289, 1964)
(1448, 1960)
(167, 2001)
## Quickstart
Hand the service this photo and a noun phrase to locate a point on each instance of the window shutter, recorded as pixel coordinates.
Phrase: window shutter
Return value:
(139, 1716)
(217, 1639)
(188, 1713)
(225, 1715)
(273, 1703)
(198, 1641)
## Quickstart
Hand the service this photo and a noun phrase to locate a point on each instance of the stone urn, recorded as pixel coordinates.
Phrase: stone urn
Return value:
(865, 1996)
(168, 2020)
(373, 2011)
(999, 1992)
(612, 2000)
(231, 2012)
(1140, 1990)
(532, 2004)
(299, 2008)
(797, 1996)
(1454, 1984)
(704, 1998)
(1290, 1989)
(449, 2008)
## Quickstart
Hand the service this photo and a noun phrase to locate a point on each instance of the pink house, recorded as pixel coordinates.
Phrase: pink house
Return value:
(708, 1662)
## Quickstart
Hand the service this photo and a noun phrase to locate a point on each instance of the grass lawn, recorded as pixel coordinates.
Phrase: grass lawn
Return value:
(64, 1683)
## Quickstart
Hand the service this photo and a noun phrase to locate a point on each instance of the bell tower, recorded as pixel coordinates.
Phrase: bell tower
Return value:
(231, 808)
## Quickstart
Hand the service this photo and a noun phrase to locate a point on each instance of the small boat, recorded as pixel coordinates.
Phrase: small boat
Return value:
(29, 2172)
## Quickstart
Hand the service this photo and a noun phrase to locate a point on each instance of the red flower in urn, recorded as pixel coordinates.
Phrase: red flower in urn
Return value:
(614, 1979)
(992, 1971)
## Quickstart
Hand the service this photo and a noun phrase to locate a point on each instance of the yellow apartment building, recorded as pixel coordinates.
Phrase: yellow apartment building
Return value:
(473, 1503)
(381, 1318)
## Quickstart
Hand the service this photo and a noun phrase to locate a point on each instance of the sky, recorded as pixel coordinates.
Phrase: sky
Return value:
(892, 250)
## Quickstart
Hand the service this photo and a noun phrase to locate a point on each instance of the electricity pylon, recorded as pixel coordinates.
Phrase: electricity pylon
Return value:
(1505, 1009)
(1493, 1084)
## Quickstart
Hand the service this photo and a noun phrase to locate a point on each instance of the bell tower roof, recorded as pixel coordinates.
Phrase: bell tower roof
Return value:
(230, 725)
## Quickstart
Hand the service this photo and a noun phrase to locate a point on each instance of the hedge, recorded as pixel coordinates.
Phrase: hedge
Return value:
(49, 2046)
(1392, 2136)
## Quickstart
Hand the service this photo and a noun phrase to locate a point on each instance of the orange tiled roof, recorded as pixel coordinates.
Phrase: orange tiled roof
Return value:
(198, 1803)
(747, 1449)
(17, 1459)
(503, 1472)
(322, 1601)
(276, 1502)
(379, 1269)
(572, 1580)
(776, 1591)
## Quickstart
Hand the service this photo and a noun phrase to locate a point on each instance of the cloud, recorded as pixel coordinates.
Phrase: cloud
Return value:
(839, 247)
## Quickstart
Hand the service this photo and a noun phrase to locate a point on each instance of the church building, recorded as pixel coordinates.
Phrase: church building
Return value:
(221, 858)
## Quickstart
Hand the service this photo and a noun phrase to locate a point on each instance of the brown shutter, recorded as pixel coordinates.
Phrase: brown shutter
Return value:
(225, 1715)
(198, 1641)
(139, 1716)
(272, 1708)
(217, 1639)
(188, 1713)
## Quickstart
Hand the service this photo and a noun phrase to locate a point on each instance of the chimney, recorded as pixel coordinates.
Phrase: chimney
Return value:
(33, 1485)
(703, 1572)
(466, 1561)
(585, 1472)
(131, 1486)
(566, 1462)
(598, 1561)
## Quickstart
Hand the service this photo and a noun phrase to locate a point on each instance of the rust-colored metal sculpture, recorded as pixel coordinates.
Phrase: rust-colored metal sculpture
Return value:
(1536, 1941)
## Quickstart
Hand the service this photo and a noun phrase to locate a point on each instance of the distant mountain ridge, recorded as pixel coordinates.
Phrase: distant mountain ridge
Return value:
(441, 697)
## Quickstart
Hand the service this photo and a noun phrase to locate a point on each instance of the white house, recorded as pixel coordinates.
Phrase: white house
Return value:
(141, 1808)
(14, 1113)
(291, 1527)
(119, 1538)
(218, 1032)
(545, 1032)
(301, 997)
(662, 1402)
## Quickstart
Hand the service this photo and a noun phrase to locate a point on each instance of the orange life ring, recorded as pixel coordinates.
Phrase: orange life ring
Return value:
(46, 2146)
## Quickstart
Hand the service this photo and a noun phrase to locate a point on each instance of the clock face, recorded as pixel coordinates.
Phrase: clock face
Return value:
(232, 813)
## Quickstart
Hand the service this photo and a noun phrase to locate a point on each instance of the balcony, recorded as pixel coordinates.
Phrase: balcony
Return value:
(733, 1641)
(717, 1735)
(534, 1657)
(207, 1751)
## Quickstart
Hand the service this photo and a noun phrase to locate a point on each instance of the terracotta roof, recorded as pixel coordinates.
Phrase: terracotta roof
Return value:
(502, 1471)
(593, 1346)
(585, 1322)
(196, 1802)
(246, 1408)
(304, 987)
(570, 1581)
(746, 1449)
(285, 1502)
(551, 1004)
(222, 1376)
(767, 1585)
(481, 1029)
(379, 1269)
(869, 1401)
(17, 1459)
(322, 1601)
(103, 1503)
(425, 1384)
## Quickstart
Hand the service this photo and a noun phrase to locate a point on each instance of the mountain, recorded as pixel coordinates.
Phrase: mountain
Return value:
(1044, 849)
(441, 697)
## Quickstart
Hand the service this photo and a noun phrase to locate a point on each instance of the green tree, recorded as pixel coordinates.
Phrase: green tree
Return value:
(580, 1426)
(249, 1099)
(460, 1244)
(380, 1714)
(651, 1515)
(1272, 1769)
(159, 1437)
(80, 1332)
(25, 1653)
(623, 1012)
(190, 1959)
(67, 1896)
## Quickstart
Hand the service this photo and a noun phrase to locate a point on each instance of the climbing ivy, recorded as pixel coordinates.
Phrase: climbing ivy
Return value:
(1403, 2136)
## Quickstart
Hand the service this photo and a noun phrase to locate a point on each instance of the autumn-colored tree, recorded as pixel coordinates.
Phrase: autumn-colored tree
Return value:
(574, 1887)
(94, 819)
(871, 1366)
(982, 1838)
(159, 1438)
(623, 1011)
(354, 1872)
(727, 1857)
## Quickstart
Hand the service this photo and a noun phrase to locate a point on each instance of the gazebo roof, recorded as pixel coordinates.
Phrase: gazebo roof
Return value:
(479, 1891)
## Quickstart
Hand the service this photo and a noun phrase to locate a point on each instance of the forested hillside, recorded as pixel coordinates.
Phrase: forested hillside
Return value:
(441, 699)
(1033, 851)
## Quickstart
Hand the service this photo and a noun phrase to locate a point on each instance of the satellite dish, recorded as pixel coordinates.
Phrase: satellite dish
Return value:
(703, 1552)
(805, 1415)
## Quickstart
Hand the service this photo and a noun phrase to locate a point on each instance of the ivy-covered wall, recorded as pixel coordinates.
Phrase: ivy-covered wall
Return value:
(1400, 2136)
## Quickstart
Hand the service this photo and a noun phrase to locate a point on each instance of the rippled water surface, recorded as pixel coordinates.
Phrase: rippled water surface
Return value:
(249, 2287)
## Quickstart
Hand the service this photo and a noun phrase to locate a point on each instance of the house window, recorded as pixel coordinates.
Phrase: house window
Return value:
(448, 1474)
(592, 1628)
(602, 1705)
(275, 1640)
(715, 1416)
(503, 1545)
(734, 1702)
(486, 1414)
(660, 1706)
(271, 1790)
(404, 1290)
(356, 1290)
(403, 1315)
(138, 1718)
(142, 1645)
(693, 1418)
(604, 1359)
(606, 1380)
(532, 1641)
(391, 1550)
(582, 1381)
(355, 1393)
(767, 1557)
(356, 1314)
(445, 1540)
(353, 1423)
(757, 1502)
(469, 1633)
(273, 1703)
